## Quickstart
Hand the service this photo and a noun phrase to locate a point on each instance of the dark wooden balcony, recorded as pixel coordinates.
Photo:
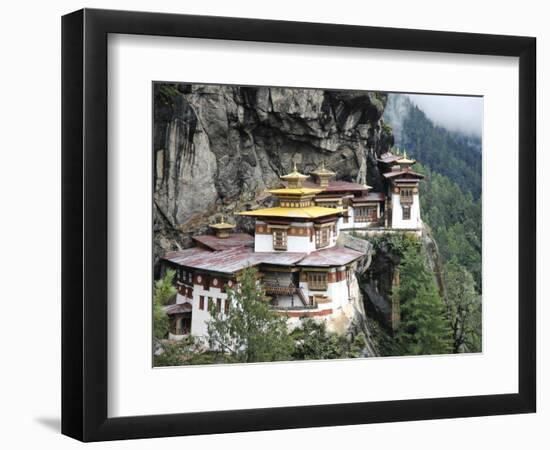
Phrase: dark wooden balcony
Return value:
(275, 290)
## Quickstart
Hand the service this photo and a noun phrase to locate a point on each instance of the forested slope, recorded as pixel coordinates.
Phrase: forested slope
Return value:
(450, 198)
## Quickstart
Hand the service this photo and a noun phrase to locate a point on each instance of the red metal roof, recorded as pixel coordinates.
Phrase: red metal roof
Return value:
(278, 258)
(335, 186)
(406, 180)
(370, 197)
(179, 308)
(235, 259)
(234, 240)
(228, 261)
(180, 256)
(404, 173)
(231, 260)
(334, 256)
(344, 186)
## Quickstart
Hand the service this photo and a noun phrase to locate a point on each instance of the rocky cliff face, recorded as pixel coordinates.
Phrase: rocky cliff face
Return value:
(218, 148)
(379, 284)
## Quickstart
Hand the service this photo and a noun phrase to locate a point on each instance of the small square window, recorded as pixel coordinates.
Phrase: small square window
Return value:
(279, 239)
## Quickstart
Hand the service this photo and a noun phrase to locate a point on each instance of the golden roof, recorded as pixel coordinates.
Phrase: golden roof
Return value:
(294, 178)
(309, 212)
(295, 191)
(405, 160)
(322, 171)
(222, 225)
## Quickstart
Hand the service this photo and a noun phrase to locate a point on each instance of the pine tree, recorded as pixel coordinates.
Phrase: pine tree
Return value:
(164, 291)
(249, 331)
(424, 328)
(313, 341)
(464, 306)
(455, 220)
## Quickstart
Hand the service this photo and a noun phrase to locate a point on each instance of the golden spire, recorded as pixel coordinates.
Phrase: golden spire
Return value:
(323, 175)
(222, 229)
(404, 161)
(294, 178)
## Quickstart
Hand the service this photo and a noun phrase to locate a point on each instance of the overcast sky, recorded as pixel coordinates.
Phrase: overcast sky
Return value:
(452, 112)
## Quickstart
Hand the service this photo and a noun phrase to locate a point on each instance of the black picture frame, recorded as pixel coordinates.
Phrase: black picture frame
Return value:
(84, 224)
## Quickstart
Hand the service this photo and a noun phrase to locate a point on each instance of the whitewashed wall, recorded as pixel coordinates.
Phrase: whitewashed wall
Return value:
(351, 219)
(397, 213)
(199, 317)
(301, 244)
(338, 292)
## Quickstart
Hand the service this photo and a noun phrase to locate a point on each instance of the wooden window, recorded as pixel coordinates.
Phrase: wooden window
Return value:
(371, 213)
(406, 195)
(201, 302)
(406, 212)
(325, 236)
(322, 237)
(317, 281)
(279, 239)
(218, 304)
(366, 213)
(210, 300)
(226, 306)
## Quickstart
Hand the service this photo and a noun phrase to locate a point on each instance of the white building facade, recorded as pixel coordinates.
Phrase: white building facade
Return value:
(405, 213)
(403, 196)
(304, 269)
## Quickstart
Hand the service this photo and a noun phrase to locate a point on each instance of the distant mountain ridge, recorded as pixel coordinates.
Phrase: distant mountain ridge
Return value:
(453, 154)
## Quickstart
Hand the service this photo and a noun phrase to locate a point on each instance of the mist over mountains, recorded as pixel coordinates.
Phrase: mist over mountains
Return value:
(451, 194)
(454, 154)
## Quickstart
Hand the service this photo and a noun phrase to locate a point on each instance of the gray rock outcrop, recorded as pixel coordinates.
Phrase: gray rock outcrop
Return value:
(218, 148)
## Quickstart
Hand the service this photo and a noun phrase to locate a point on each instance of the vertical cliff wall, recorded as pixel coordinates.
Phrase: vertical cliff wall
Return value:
(218, 148)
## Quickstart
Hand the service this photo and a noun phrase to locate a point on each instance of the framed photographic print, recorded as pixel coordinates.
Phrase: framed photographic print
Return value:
(274, 224)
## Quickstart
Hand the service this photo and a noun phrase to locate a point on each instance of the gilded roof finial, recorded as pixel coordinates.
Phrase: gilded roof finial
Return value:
(294, 178)
(222, 228)
(404, 161)
(323, 175)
